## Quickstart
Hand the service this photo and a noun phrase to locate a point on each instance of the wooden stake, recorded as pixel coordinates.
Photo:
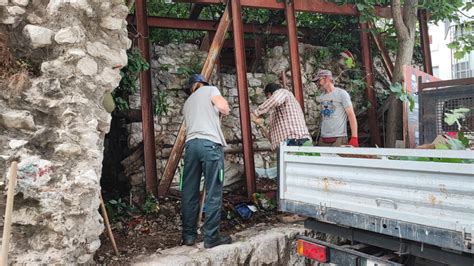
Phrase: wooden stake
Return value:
(8, 214)
(107, 224)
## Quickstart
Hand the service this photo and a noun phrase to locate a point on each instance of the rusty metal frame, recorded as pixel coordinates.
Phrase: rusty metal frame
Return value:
(425, 41)
(290, 6)
(244, 109)
(314, 6)
(294, 54)
(369, 79)
(148, 130)
(211, 25)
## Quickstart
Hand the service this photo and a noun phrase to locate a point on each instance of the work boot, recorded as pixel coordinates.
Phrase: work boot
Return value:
(222, 240)
(189, 242)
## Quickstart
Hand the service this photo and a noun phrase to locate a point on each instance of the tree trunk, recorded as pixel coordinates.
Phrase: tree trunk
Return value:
(405, 26)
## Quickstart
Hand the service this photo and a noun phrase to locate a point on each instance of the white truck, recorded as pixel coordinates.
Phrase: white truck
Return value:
(391, 205)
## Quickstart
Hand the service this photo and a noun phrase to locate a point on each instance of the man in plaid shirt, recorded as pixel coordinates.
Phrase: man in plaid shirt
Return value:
(286, 121)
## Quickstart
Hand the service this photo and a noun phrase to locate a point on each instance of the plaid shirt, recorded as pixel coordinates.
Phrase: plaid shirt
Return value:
(286, 117)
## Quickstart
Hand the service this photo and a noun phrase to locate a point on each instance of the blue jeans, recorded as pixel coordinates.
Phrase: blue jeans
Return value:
(202, 157)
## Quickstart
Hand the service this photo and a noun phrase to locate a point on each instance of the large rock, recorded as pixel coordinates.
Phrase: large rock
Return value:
(17, 120)
(257, 246)
(116, 58)
(70, 35)
(39, 36)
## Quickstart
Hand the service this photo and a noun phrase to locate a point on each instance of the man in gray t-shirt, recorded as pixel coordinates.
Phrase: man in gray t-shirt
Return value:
(336, 109)
(204, 154)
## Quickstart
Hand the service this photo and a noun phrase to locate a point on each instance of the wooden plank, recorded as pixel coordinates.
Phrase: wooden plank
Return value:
(178, 147)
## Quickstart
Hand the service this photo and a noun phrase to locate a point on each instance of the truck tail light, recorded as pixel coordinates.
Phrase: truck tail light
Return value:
(311, 250)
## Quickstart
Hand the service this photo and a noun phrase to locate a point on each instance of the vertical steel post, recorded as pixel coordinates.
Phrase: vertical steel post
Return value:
(243, 96)
(369, 79)
(148, 130)
(294, 54)
(425, 41)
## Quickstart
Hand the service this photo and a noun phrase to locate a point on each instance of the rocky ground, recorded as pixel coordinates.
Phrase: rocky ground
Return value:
(145, 234)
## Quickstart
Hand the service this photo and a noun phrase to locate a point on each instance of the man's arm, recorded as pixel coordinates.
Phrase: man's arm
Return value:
(221, 104)
(352, 121)
(276, 99)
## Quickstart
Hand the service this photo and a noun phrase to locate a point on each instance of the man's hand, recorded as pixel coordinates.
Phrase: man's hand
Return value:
(256, 119)
(354, 142)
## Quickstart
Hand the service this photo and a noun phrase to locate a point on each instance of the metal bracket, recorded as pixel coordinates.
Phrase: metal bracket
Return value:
(379, 201)
(322, 209)
(467, 234)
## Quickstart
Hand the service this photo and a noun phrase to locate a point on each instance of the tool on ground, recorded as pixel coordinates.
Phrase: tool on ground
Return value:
(107, 224)
(7, 224)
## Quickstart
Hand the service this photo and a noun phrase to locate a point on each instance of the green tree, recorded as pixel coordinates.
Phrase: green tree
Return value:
(404, 14)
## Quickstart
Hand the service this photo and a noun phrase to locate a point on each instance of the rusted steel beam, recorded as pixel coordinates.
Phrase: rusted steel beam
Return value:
(446, 83)
(178, 147)
(314, 6)
(425, 41)
(283, 78)
(386, 60)
(294, 54)
(211, 25)
(369, 79)
(148, 130)
(244, 109)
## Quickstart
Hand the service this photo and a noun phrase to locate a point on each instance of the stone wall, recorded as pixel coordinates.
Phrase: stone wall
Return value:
(53, 123)
(167, 65)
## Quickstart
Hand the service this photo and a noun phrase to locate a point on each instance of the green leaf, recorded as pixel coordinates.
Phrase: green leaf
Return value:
(396, 87)
(449, 119)
(455, 144)
(403, 97)
(459, 54)
(411, 99)
(360, 6)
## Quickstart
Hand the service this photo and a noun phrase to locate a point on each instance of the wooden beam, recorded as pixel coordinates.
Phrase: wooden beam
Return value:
(148, 130)
(178, 147)
(386, 60)
(243, 97)
(313, 6)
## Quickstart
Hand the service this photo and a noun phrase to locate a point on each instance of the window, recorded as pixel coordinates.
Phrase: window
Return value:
(436, 71)
(462, 70)
(462, 67)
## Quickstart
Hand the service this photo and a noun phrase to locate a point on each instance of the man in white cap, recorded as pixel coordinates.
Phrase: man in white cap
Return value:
(336, 110)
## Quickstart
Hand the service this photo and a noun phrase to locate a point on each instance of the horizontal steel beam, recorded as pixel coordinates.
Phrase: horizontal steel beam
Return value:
(313, 6)
(210, 25)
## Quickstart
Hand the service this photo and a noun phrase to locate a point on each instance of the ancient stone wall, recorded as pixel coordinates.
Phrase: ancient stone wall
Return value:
(53, 123)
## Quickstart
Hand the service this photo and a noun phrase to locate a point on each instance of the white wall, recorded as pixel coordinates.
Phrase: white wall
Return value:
(441, 56)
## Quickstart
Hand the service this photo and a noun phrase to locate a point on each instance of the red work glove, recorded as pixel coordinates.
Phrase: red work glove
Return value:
(354, 142)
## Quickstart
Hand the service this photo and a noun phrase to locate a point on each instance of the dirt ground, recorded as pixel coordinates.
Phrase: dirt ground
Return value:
(142, 234)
